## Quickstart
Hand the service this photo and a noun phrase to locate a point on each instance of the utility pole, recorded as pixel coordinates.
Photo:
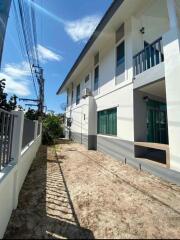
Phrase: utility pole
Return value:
(40, 101)
(4, 14)
(40, 78)
(41, 91)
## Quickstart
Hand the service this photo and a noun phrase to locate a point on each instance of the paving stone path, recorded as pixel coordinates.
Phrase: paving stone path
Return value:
(45, 208)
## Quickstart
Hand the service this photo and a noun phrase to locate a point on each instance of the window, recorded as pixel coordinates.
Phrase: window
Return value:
(120, 59)
(67, 97)
(96, 59)
(72, 94)
(107, 122)
(78, 94)
(87, 78)
(96, 78)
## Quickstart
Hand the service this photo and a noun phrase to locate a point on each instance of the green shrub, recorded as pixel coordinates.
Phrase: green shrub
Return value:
(51, 129)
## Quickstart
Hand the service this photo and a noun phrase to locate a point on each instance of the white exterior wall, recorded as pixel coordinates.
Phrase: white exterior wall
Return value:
(12, 177)
(121, 98)
(172, 75)
(7, 197)
(156, 20)
(25, 161)
(109, 94)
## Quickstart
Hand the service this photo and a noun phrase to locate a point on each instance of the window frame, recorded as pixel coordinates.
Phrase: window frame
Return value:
(116, 47)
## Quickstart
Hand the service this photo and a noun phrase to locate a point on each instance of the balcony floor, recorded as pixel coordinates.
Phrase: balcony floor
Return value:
(76, 193)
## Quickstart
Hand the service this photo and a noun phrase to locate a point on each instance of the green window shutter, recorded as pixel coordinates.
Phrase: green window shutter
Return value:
(107, 122)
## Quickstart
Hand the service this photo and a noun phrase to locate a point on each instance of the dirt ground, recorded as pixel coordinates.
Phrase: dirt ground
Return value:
(74, 193)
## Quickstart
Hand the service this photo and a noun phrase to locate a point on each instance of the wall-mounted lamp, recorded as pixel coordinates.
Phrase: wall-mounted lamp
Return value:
(146, 98)
(142, 30)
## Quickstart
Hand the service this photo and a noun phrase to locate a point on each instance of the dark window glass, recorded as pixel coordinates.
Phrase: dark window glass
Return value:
(78, 94)
(67, 97)
(96, 78)
(120, 59)
(87, 78)
(96, 59)
(107, 122)
(72, 95)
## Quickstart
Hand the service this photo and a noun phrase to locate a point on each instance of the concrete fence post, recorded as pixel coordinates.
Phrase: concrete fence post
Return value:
(41, 127)
(17, 135)
(36, 129)
(16, 150)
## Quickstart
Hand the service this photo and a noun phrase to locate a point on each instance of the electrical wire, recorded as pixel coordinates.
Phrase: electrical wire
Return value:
(27, 36)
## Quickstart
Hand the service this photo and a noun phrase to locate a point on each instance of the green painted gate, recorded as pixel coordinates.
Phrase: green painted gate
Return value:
(157, 129)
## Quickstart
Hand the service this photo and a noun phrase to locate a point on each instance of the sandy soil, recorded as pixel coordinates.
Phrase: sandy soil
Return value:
(74, 193)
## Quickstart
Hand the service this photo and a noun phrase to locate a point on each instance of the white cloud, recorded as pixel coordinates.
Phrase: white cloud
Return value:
(15, 86)
(17, 75)
(17, 70)
(82, 29)
(78, 30)
(16, 78)
(46, 54)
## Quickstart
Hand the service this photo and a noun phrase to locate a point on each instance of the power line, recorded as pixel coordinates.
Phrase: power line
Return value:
(23, 35)
(26, 18)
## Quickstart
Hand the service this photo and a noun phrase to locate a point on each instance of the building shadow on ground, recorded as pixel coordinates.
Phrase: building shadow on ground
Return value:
(45, 209)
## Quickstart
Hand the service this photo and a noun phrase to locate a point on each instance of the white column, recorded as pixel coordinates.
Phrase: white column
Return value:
(171, 48)
(36, 129)
(17, 135)
(129, 49)
(41, 128)
(16, 151)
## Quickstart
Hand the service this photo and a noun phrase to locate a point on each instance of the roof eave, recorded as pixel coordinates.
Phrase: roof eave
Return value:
(108, 15)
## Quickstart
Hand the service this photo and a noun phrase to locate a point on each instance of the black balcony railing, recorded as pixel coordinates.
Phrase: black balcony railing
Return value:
(149, 57)
(6, 135)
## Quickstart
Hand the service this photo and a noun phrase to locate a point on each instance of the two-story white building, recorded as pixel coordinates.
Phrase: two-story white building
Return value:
(123, 92)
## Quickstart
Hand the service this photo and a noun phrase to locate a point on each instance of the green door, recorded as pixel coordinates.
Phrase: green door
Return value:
(157, 129)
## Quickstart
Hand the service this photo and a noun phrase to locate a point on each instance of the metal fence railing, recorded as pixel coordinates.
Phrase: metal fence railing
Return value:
(6, 136)
(28, 132)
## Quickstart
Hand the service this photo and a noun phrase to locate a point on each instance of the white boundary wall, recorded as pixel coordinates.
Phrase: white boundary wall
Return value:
(12, 177)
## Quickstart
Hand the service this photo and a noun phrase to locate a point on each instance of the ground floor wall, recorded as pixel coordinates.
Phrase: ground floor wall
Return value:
(131, 123)
(84, 120)
(116, 147)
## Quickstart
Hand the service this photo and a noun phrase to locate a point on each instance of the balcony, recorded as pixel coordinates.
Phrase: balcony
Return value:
(149, 57)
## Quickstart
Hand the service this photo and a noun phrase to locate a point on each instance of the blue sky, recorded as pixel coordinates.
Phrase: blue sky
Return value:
(63, 27)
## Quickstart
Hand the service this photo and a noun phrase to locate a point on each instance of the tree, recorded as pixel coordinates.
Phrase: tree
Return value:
(52, 129)
(7, 105)
(12, 104)
(31, 114)
(3, 96)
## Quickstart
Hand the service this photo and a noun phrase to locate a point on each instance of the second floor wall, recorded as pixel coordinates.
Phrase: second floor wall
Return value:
(114, 68)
